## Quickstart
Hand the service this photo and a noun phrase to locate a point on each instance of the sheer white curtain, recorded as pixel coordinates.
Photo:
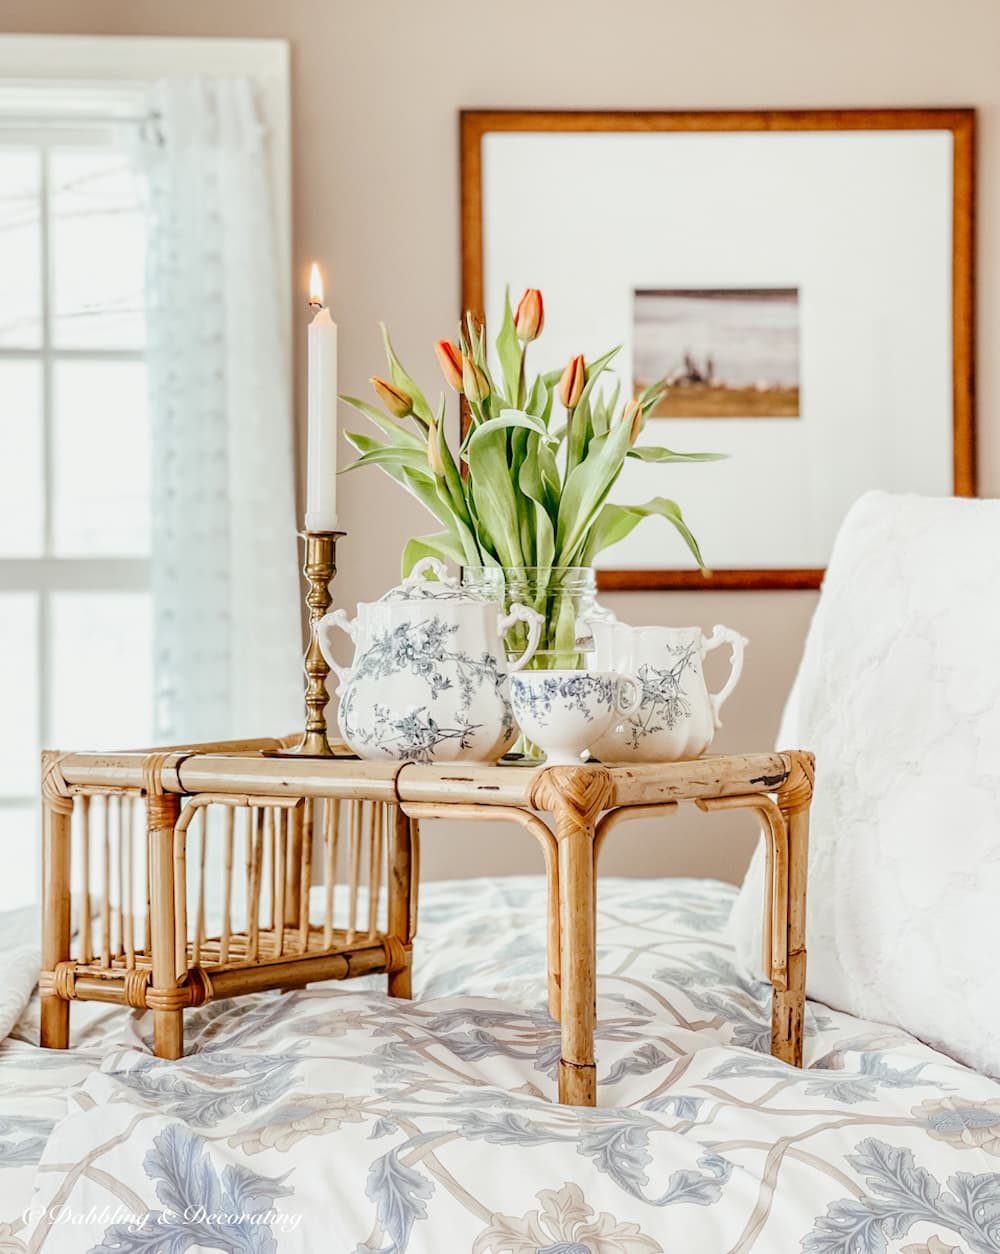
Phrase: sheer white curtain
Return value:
(225, 588)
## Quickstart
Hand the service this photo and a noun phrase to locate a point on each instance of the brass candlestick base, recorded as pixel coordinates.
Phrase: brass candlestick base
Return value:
(320, 567)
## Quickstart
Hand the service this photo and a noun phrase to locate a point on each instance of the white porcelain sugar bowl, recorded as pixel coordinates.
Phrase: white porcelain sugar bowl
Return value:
(429, 677)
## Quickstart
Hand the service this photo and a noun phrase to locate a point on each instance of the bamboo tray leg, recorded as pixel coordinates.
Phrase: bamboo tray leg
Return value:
(576, 796)
(789, 1003)
(162, 810)
(57, 811)
(402, 899)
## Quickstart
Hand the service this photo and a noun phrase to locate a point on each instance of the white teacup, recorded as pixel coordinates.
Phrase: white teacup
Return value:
(565, 711)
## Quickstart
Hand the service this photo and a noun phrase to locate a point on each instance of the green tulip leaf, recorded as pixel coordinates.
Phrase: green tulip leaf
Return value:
(548, 468)
(580, 428)
(363, 443)
(539, 402)
(421, 410)
(442, 545)
(383, 454)
(586, 489)
(651, 395)
(578, 433)
(419, 483)
(510, 351)
(508, 419)
(389, 426)
(597, 367)
(474, 344)
(453, 484)
(649, 453)
(529, 480)
(615, 522)
(603, 409)
(429, 493)
(493, 492)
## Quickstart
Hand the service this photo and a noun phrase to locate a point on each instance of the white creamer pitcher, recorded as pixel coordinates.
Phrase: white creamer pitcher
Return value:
(677, 717)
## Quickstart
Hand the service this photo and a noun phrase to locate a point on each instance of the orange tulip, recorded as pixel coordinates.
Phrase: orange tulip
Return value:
(434, 453)
(572, 382)
(451, 363)
(475, 381)
(530, 316)
(396, 401)
(633, 416)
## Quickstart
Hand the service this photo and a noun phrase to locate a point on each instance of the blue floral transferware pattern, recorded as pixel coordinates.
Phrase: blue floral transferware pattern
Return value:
(664, 701)
(412, 736)
(427, 649)
(334, 1118)
(539, 693)
(450, 680)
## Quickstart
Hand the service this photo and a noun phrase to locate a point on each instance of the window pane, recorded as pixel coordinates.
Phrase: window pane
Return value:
(98, 243)
(20, 248)
(102, 664)
(21, 841)
(102, 458)
(18, 695)
(22, 500)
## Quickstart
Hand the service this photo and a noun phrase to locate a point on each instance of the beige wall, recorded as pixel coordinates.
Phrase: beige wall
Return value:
(376, 89)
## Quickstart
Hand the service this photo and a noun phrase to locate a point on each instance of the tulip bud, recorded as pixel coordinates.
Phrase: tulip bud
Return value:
(434, 460)
(475, 382)
(633, 416)
(396, 401)
(530, 316)
(451, 363)
(572, 382)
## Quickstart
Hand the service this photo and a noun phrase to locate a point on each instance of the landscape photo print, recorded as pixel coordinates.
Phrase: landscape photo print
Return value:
(725, 352)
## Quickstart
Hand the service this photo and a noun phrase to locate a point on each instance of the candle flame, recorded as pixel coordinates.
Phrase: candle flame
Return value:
(315, 286)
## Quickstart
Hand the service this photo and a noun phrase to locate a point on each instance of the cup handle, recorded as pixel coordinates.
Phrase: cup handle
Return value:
(625, 706)
(337, 618)
(737, 643)
(523, 614)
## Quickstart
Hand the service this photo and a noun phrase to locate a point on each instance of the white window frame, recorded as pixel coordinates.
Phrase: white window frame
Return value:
(84, 72)
(63, 90)
(51, 573)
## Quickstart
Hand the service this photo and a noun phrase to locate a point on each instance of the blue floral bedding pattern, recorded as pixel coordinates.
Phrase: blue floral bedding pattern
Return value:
(332, 1119)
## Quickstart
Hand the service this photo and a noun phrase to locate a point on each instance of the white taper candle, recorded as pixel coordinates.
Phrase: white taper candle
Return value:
(321, 475)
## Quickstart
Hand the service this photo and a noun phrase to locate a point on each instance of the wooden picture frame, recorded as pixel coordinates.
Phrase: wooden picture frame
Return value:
(475, 125)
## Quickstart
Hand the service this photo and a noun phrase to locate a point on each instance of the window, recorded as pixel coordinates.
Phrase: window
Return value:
(75, 606)
(75, 603)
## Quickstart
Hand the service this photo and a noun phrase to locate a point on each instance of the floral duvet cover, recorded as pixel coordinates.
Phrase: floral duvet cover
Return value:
(333, 1119)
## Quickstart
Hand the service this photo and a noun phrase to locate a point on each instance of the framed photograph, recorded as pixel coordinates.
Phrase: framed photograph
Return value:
(725, 352)
(803, 281)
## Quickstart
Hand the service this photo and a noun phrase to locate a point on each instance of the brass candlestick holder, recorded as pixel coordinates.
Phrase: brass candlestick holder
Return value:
(319, 569)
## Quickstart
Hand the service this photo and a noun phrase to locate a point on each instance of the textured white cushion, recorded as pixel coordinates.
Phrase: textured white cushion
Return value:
(898, 694)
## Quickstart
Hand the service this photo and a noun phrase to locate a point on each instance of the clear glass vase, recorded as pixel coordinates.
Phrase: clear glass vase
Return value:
(565, 596)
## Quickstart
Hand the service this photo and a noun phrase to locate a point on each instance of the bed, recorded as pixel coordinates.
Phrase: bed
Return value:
(335, 1119)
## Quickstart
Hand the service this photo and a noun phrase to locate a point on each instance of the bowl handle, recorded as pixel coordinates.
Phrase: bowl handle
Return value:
(337, 618)
(737, 643)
